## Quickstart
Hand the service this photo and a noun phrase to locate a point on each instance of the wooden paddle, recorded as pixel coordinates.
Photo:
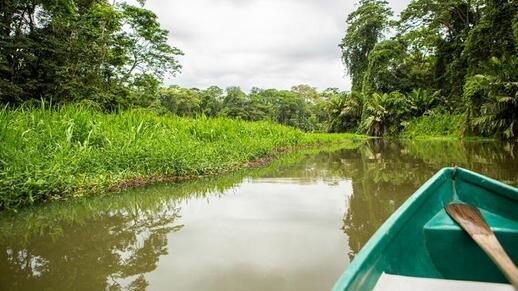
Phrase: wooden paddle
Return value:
(471, 220)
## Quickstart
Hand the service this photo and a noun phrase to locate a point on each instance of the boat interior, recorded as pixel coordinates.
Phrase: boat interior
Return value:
(388, 282)
(454, 255)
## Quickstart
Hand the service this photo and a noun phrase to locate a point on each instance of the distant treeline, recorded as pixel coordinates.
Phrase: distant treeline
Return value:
(303, 106)
(443, 56)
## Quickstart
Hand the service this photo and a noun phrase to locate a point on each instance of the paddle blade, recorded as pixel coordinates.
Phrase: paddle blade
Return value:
(469, 218)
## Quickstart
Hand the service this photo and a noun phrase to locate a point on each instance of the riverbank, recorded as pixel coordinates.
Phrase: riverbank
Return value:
(73, 151)
(443, 126)
(440, 127)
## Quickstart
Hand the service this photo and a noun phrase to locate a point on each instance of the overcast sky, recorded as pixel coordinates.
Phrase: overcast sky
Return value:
(258, 43)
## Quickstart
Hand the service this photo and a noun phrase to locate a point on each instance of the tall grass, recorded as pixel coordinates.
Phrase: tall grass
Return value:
(45, 221)
(438, 125)
(74, 150)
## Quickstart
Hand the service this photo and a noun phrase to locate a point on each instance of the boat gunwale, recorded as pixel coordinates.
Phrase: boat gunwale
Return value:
(487, 183)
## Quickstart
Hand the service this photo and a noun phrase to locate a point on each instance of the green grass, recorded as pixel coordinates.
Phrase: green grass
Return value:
(70, 151)
(436, 126)
(46, 220)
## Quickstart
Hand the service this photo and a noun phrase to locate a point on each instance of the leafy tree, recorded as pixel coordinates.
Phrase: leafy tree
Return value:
(491, 90)
(422, 101)
(144, 45)
(447, 24)
(211, 101)
(310, 94)
(492, 99)
(443, 53)
(70, 50)
(291, 109)
(54, 49)
(492, 36)
(344, 112)
(145, 90)
(385, 113)
(394, 65)
(419, 60)
(287, 107)
(235, 103)
(386, 69)
(180, 101)
(366, 26)
(329, 93)
(259, 107)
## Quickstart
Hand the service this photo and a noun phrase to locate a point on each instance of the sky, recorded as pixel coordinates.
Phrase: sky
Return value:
(258, 43)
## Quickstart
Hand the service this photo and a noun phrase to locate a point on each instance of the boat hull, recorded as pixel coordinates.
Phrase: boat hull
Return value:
(421, 240)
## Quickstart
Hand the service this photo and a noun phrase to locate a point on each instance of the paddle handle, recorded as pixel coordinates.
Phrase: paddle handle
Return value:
(495, 251)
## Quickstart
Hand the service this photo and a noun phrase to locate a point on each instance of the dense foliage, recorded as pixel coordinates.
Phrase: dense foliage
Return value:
(366, 26)
(72, 150)
(440, 57)
(302, 106)
(114, 55)
(68, 50)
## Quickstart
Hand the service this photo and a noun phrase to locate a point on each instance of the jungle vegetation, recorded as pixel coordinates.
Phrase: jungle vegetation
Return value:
(438, 57)
(84, 106)
(84, 110)
(456, 59)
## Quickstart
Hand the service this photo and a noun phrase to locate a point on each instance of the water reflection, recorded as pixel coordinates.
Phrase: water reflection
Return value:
(384, 173)
(291, 226)
(99, 252)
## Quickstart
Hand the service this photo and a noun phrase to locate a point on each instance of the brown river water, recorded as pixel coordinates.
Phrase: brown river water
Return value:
(293, 225)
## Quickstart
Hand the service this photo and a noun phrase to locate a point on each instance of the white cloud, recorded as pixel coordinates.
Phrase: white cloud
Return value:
(261, 43)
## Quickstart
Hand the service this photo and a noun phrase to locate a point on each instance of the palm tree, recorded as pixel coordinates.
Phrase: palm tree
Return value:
(344, 112)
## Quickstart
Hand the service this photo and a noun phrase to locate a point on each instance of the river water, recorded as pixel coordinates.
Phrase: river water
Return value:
(293, 225)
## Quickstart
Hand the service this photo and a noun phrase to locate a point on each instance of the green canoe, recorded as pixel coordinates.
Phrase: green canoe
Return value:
(421, 241)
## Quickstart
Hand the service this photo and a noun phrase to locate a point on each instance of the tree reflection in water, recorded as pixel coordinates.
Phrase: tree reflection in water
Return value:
(385, 173)
(94, 244)
(103, 252)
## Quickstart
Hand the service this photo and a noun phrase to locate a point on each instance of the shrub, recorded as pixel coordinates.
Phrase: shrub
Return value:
(437, 125)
